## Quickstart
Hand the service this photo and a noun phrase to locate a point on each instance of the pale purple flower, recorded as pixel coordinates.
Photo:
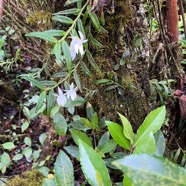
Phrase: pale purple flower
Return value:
(76, 45)
(71, 93)
(61, 98)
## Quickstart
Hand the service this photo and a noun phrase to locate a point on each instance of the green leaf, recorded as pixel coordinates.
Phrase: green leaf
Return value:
(81, 27)
(57, 50)
(43, 35)
(94, 121)
(92, 61)
(73, 151)
(5, 159)
(76, 78)
(40, 101)
(42, 138)
(50, 101)
(152, 123)
(48, 182)
(68, 2)
(63, 19)
(85, 69)
(55, 32)
(149, 170)
(73, 11)
(78, 135)
(8, 145)
(64, 173)
(147, 146)
(27, 152)
(17, 157)
(24, 126)
(116, 132)
(86, 122)
(60, 124)
(66, 52)
(108, 146)
(160, 143)
(34, 81)
(94, 19)
(104, 138)
(28, 141)
(89, 110)
(127, 128)
(93, 166)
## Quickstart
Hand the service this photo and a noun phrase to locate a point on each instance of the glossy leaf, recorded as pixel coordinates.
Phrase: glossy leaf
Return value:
(66, 52)
(152, 123)
(160, 143)
(127, 128)
(147, 146)
(64, 173)
(78, 135)
(93, 166)
(42, 35)
(60, 124)
(149, 170)
(104, 138)
(40, 101)
(116, 132)
(5, 159)
(73, 151)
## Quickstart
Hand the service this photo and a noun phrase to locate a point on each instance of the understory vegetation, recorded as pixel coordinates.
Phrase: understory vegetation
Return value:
(92, 93)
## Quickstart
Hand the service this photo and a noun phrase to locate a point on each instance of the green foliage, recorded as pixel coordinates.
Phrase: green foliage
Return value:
(93, 166)
(63, 168)
(145, 170)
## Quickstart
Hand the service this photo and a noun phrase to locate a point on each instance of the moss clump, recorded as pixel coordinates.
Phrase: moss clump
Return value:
(28, 178)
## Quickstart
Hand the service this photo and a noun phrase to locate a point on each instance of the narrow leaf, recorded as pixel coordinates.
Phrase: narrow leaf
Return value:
(57, 50)
(93, 166)
(50, 102)
(66, 52)
(94, 19)
(55, 32)
(63, 19)
(127, 128)
(43, 35)
(34, 82)
(40, 101)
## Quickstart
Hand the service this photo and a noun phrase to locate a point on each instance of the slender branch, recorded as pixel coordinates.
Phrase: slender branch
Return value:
(74, 23)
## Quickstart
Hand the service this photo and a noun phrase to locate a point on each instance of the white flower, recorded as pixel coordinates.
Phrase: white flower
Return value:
(71, 93)
(61, 98)
(76, 45)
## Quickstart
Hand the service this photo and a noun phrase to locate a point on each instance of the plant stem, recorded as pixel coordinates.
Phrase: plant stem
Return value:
(74, 23)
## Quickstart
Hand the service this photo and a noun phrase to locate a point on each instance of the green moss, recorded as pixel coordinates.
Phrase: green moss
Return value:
(28, 178)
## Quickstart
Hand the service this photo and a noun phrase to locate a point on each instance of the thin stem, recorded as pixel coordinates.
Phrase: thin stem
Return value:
(72, 26)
